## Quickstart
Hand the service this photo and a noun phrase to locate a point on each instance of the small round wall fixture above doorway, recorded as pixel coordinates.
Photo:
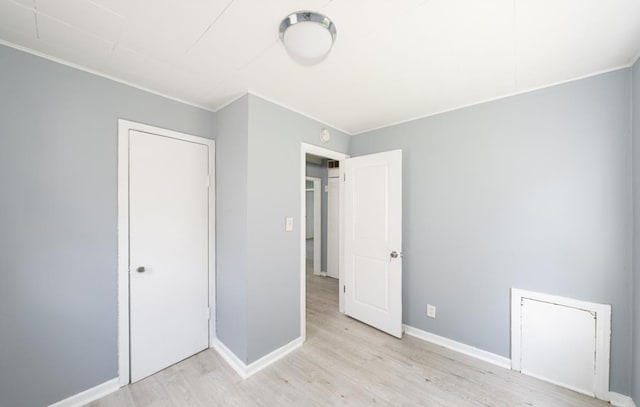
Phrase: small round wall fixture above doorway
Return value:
(325, 136)
(307, 36)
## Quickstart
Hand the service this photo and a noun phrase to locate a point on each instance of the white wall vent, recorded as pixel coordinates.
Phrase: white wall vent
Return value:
(333, 168)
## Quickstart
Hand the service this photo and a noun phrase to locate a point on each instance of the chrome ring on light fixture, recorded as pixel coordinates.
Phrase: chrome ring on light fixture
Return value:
(308, 16)
(307, 43)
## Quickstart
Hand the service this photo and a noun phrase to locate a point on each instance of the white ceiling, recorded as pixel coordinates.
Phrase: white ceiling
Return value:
(393, 60)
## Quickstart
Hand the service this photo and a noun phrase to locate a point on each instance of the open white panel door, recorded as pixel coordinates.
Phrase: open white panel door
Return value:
(373, 240)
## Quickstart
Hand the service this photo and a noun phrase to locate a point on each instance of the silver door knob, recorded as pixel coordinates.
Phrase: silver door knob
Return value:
(394, 254)
(140, 269)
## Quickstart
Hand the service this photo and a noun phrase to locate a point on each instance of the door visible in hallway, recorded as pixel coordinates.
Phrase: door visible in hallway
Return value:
(333, 226)
(314, 220)
(168, 232)
(373, 240)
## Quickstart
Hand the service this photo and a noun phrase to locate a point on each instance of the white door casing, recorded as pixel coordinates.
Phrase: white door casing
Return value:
(166, 225)
(373, 240)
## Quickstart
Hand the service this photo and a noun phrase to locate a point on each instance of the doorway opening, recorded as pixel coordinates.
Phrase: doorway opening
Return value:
(322, 200)
(320, 226)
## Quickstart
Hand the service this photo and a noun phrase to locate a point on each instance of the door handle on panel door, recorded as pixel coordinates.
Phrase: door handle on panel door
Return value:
(140, 269)
(394, 254)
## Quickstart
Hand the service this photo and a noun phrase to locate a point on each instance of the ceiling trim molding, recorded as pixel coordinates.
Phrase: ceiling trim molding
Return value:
(528, 90)
(308, 116)
(231, 101)
(27, 50)
(100, 74)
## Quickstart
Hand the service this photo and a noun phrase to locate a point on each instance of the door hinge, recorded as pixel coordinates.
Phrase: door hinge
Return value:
(344, 177)
(208, 313)
(208, 181)
(344, 288)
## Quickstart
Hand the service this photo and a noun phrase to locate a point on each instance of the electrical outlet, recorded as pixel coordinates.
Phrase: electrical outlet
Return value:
(431, 311)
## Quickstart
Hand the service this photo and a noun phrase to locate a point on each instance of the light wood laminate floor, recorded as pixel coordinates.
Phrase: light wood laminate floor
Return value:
(345, 363)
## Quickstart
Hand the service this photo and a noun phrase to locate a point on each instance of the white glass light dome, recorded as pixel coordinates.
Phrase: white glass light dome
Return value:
(307, 36)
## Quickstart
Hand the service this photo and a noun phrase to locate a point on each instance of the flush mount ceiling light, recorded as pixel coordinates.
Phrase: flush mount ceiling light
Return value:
(307, 36)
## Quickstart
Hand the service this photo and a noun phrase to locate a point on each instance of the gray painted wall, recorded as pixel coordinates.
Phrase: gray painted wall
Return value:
(309, 211)
(320, 171)
(635, 105)
(532, 191)
(273, 194)
(58, 168)
(231, 226)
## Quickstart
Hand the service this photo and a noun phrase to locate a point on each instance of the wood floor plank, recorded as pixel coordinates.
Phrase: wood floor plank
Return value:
(346, 363)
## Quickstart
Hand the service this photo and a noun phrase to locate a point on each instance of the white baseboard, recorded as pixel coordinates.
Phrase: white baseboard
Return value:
(277, 354)
(248, 370)
(459, 347)
(620, 400)
(87, 396)
(230, 357)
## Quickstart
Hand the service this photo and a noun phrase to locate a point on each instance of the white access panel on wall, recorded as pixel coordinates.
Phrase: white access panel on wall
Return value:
(558, 344)
(562, 341)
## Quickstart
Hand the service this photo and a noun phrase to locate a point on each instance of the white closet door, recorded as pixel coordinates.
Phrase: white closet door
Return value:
(168, 228)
